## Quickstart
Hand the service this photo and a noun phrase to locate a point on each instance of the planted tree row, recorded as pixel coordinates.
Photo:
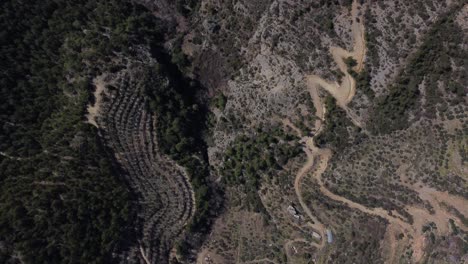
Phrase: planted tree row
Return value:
(164, 194)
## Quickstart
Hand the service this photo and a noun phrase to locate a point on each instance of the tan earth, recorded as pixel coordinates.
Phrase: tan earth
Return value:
(93, 110)
(319, 227)
(318, 159)
(316, 164)
(286, 122)
(344, 92)
(209, 257)
(287, 246)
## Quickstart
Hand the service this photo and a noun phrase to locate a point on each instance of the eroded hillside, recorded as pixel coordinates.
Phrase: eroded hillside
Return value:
(374, 93)
(218, 131)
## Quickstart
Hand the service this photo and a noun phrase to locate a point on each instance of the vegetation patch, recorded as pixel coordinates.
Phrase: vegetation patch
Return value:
(180, 126)
(250, 157)
(60, 198)
(335, 133)
(363, 79)
(432, 59)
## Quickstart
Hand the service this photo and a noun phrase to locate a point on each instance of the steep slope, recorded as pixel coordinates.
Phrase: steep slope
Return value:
(165, 196)
(338, 97)
(218, 131)
(88, 170)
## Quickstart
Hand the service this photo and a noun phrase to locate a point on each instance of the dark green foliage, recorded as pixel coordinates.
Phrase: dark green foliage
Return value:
(252, 156)
(186, 7)
(350, 62)
(176, 112)
(363, 83)
(329, 24)
(372, 33)
(60, 198)
(220, 102)
(178, 56)
(431, 60)
(453, 227)
(180, 126)
(363, 79)
(339, 75)
(335, 134)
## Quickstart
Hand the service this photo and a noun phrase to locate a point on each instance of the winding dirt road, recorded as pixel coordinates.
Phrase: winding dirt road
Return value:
(343, 93)
(316, 224)
(317, 160)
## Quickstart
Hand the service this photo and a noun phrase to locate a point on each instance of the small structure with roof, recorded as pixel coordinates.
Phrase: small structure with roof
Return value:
(329, 236)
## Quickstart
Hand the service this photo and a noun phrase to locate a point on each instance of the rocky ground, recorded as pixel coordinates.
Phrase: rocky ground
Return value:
(304, 134)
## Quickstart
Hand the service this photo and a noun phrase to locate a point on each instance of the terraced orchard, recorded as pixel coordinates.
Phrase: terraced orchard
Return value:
(165, 198)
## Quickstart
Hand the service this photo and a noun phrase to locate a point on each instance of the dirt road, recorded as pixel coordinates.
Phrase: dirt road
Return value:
(343, 93)
(316, 224)
(287, 246)
(143, 255)
(317, 160)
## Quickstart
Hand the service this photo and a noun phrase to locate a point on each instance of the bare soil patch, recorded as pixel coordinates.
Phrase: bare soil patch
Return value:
(93, 110)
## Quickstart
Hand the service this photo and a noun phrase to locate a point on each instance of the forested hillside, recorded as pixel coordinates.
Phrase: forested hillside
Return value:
(219, 131)
(61, 199)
